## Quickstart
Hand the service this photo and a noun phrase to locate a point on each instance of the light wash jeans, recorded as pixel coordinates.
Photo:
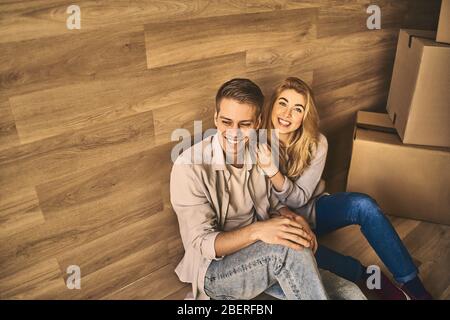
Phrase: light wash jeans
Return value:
(260, 267)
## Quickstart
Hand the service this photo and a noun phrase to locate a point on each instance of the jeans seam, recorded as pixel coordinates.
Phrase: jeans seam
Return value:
(242, 268)
(292, 285)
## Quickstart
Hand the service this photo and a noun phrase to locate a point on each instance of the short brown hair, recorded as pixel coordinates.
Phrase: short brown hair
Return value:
(243, 91)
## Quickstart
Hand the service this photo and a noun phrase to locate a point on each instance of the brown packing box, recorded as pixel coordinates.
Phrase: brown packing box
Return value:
(419, 96)
(443, 31)
(406, 180)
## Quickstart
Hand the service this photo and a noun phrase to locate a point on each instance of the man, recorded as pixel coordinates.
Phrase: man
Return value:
(238, 239)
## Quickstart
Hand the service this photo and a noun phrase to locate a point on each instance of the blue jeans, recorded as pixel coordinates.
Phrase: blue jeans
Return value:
(347, 208)
(252, 270)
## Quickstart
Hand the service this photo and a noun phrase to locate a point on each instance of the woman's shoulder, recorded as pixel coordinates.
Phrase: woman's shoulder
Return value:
(322, 139)
(322, 145)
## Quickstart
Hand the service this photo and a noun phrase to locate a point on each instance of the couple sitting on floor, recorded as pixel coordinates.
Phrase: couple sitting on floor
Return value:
(250, 226)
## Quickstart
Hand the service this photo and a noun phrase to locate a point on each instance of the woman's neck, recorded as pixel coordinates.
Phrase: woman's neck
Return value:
(284, 137)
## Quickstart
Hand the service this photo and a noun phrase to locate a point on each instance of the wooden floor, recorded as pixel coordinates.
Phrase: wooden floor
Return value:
(86, 117)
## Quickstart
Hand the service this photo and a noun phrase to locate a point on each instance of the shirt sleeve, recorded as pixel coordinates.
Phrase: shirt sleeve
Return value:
(296, 194)
(275, 204)
(197, 219)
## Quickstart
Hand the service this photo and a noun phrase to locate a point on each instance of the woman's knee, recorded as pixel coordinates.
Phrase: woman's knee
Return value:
(366, 207)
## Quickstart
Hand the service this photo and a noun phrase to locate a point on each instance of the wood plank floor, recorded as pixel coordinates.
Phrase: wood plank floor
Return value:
(86, 118)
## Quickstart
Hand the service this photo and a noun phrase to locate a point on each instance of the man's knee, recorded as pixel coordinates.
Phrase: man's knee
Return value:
(276, 250)
(305, 255)
(281, 253)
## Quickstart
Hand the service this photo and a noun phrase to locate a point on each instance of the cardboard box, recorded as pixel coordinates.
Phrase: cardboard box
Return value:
(443, 31)
(419, 97)
(406, 180)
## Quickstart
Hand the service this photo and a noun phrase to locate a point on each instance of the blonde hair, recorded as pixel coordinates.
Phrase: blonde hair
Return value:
(296, 156)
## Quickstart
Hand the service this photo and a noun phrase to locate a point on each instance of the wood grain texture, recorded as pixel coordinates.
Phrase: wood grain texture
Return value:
(8, 131)
(155, 286)
(43, 18)
(31, 282)
(72, 151)
(86, 118)
(19, 212)
(210, 37)
(182, 116)
(44, 63)
(84, 104)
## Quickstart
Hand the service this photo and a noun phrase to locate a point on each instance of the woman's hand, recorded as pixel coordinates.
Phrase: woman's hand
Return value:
(266, 161)
(283, 231)
(285, 212)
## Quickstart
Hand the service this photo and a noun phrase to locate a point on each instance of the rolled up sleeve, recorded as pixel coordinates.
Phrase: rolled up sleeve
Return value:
(208, 249)
(196, 217)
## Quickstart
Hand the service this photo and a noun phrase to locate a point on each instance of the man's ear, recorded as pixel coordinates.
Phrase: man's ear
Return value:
(215, 118)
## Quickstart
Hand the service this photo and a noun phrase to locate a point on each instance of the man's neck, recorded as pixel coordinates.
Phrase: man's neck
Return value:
(235, 163)
(235, 160)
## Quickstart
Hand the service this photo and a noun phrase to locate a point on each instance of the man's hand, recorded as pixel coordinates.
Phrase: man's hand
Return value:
(284, 231)
(285, 212)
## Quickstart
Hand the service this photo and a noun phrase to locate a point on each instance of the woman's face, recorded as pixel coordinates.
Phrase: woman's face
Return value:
(288, 111)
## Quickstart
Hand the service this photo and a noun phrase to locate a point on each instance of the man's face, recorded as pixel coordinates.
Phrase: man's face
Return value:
(235, 121)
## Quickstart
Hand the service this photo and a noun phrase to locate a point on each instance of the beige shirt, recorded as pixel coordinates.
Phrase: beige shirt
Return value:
(240, 209)
(199, 195)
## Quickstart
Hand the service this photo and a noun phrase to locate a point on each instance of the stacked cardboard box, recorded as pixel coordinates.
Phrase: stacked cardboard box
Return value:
(406, 180)
(418, 102)
(402, 158)
(443, 31)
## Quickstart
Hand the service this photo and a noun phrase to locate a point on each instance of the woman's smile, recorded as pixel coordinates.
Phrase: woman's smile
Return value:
(284, 123)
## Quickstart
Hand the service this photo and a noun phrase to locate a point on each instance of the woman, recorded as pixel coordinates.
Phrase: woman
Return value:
(303, 150)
